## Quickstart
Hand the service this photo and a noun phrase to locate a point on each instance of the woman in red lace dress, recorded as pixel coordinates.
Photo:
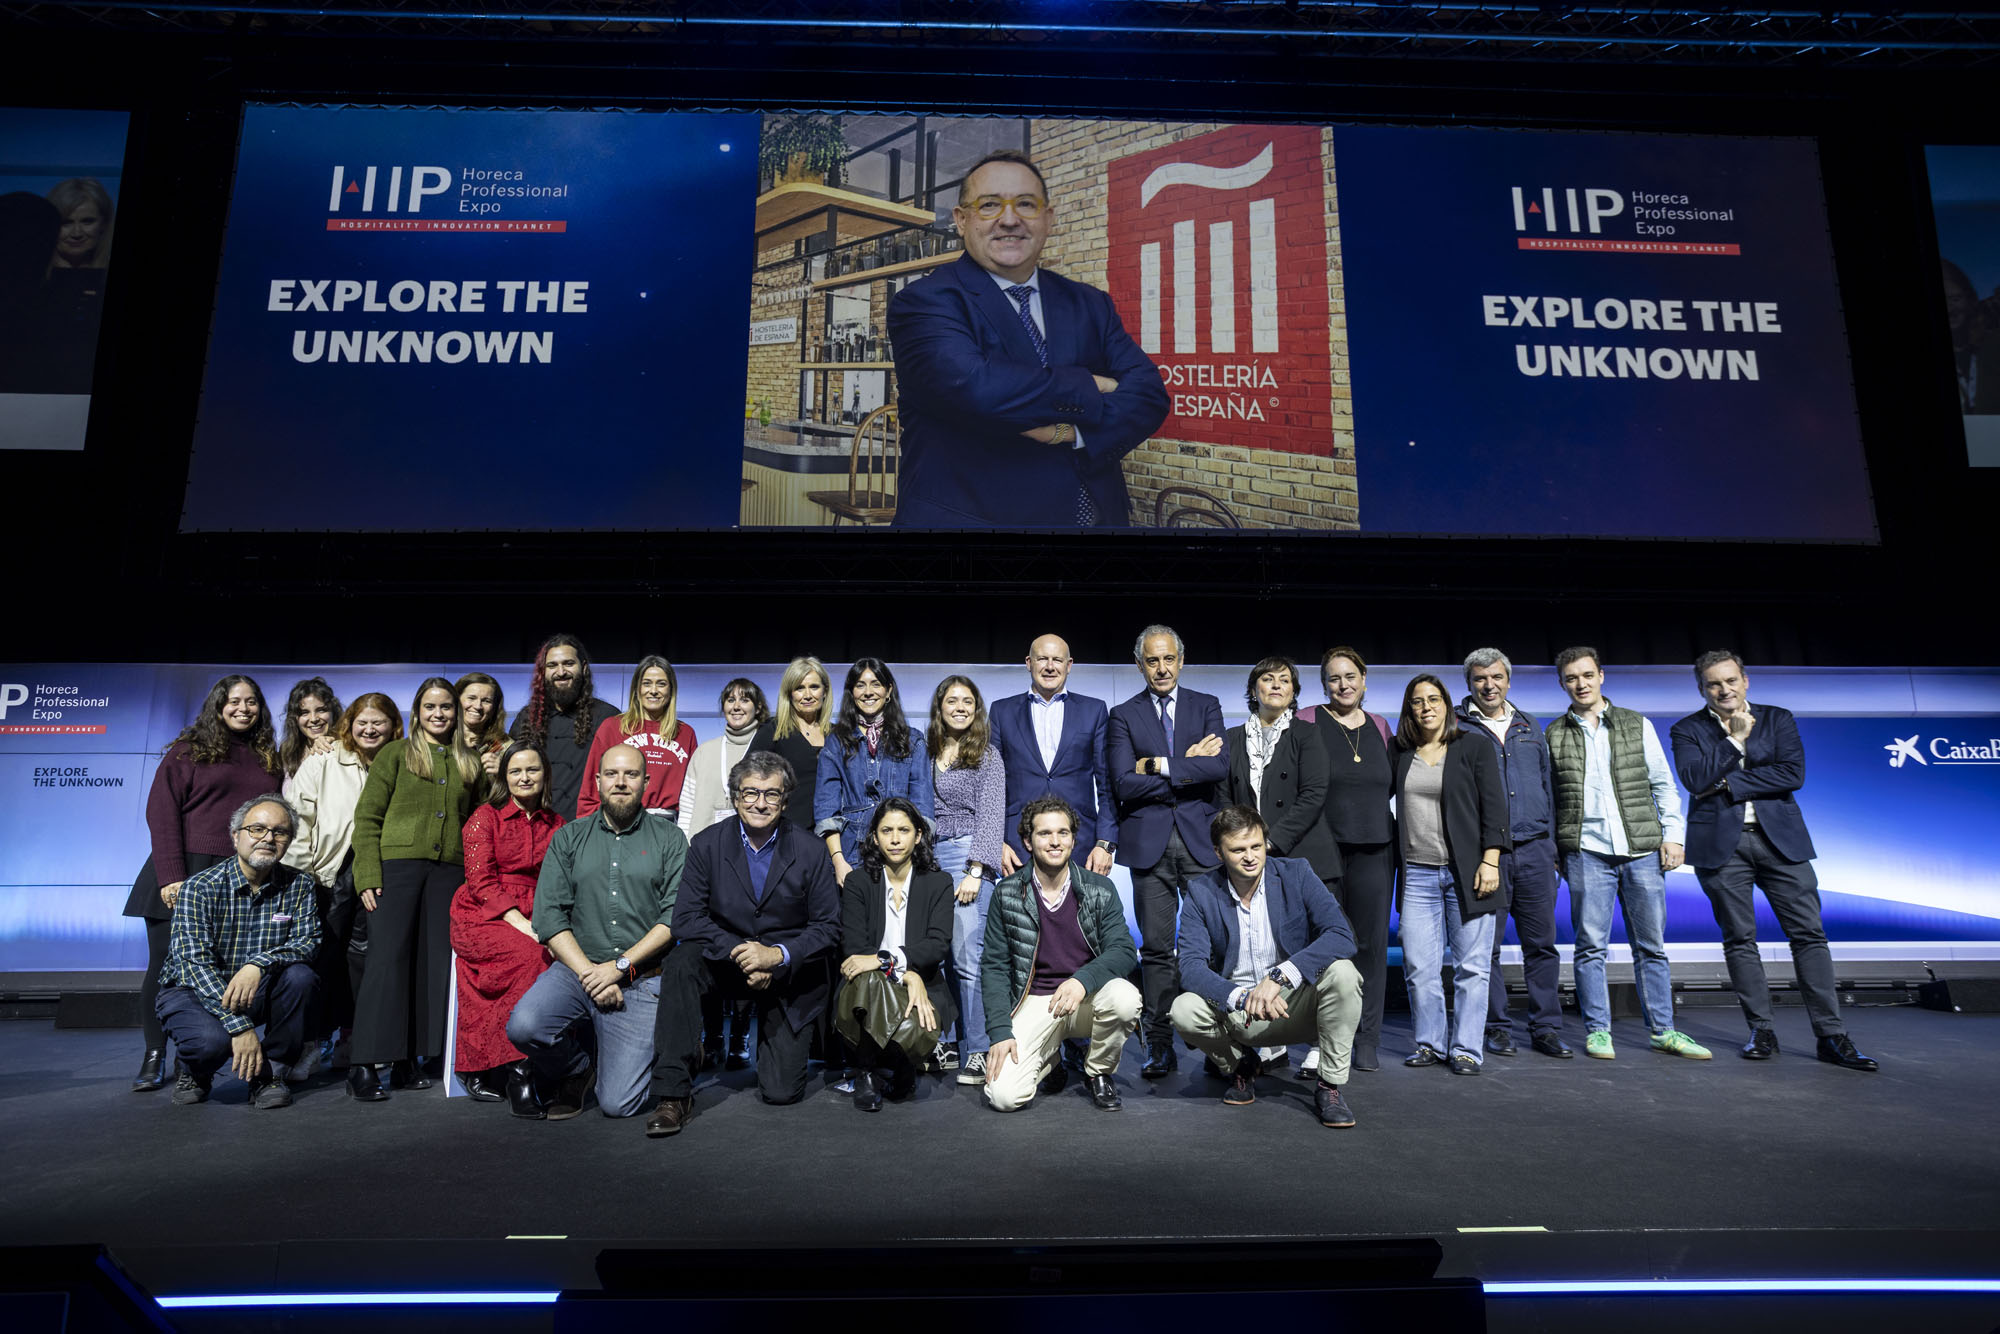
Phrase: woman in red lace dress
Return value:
(492, 929)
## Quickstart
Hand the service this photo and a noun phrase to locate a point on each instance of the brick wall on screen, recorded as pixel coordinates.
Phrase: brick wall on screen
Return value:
(1261, 487)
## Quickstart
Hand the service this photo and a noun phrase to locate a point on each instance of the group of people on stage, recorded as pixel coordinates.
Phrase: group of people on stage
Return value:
(621, 899)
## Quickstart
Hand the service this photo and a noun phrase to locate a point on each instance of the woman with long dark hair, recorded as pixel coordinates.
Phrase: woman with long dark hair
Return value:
(408, 862)
(325, 792)
(797, 731)
(311, 711)
(228, 755)
(1452, 827)
(969, 788)
(482, 719)
(492, 926)
(870, 755)
(895, 930)
(651, 725)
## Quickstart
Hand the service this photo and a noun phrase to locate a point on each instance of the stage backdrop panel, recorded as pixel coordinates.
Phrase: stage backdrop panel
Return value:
(1898, 799)
(1965, 200)
(550, 298)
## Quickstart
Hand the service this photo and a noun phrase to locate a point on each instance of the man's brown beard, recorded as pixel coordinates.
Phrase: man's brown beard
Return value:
(563, 698)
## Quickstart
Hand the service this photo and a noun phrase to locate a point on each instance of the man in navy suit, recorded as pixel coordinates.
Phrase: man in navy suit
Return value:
(1741, 763)
(1019, 390)
(1053, 742)
(757, 914)
(1165, 749)
(1266, 960)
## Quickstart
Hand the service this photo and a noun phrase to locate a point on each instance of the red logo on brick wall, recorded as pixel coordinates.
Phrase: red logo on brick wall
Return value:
(1218, 267)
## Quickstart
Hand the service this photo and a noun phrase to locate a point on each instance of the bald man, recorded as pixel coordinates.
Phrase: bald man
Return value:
(604, 906)
(1053, 742)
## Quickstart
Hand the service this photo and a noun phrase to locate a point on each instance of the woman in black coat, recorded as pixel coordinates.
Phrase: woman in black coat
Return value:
(1451, 818)
(895, 933)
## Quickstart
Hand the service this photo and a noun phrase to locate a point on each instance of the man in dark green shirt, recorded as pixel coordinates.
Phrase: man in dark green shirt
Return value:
(604, 906)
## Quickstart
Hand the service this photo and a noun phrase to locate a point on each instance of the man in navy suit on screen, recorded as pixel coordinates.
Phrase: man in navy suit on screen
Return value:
(1053, 742)
(1741, 763)
(1019, 390)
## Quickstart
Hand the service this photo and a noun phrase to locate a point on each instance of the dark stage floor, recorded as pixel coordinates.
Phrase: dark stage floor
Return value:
(1649, 1166)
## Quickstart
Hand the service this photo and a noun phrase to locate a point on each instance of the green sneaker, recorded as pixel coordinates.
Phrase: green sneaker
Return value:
(1598, 1044)
(1676, 1043)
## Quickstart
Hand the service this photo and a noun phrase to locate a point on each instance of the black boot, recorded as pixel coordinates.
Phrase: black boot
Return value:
(483, 1085)
(364, 1084)
(521, 1093)
(152, 1072)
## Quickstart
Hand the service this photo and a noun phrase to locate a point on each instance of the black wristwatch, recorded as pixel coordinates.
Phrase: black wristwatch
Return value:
(1277, 975)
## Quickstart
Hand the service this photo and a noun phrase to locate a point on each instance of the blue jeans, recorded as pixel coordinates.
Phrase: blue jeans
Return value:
(1430, 921)
(1596, 883)
(968, 936)
(546, 1023)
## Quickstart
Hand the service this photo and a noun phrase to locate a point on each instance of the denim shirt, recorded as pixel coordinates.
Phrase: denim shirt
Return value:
(848, 788)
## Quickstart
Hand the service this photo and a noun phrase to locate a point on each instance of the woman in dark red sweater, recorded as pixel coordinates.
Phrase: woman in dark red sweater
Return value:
(228, 755)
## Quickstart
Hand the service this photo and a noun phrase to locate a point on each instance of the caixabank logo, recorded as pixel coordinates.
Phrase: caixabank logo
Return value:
(1611, 221)
(1941, 750)
(418, 197)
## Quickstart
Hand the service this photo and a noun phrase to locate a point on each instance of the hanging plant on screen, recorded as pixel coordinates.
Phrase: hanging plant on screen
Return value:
(796, 145)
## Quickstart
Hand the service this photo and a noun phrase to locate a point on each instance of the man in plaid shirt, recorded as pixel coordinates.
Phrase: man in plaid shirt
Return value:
(244, 935)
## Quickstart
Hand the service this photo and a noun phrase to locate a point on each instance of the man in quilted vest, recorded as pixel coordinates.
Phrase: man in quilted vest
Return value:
(1619, 830)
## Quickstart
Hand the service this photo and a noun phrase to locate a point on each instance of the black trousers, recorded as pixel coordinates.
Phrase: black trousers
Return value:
(399, 1013)
(283, 1005)
(1793, 891)
(1156, 901)
(1528, 885)
(343, 952)
(686, 980)
(159, 936)
(1366, 888)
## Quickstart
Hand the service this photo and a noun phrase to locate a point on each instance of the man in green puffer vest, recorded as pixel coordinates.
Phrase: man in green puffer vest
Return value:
(1619, 830)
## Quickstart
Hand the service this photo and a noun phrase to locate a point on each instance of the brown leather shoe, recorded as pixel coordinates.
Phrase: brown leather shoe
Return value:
(670, 1117)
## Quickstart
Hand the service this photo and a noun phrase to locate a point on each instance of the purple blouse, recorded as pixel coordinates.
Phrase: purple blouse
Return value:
(973, 803)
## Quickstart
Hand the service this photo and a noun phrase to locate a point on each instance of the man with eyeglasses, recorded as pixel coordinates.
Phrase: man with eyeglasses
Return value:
(757, 917)
(244, 935)
(1019, 390)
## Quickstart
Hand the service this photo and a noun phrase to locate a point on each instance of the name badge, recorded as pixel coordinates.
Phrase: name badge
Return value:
(281, 919)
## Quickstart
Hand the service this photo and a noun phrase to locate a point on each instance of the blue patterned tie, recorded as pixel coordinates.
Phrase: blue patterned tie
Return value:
(1165, 722)
(1086, 509)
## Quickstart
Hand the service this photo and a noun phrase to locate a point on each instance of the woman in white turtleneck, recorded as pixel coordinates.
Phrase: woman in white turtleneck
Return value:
(705, 800)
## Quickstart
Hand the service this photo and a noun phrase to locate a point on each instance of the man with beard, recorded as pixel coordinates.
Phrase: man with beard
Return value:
(604, 905)
(244, 935)
(562, 717)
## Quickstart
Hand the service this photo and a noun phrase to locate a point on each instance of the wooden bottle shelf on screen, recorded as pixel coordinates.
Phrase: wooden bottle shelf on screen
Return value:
(862, 277)
(844, 365)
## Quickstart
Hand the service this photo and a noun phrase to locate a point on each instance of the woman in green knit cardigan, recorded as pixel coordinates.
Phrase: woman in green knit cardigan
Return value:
(407, 865)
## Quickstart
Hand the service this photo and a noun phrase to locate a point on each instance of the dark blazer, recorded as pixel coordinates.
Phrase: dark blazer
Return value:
(1773, 768)
(1293, 803)
(800, 910)
(1475, 813)
(1080, 776)
(926, 928)
(1148, 805)
(969, 381)
(1310, 930)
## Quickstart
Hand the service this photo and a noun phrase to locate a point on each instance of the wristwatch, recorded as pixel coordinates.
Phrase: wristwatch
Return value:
(1277, 975)
(1106, 845)
(624, 966)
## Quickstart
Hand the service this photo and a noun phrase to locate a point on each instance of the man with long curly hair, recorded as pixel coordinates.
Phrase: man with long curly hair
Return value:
(562, 716)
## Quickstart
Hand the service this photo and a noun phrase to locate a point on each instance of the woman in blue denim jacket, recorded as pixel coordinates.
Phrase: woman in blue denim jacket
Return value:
(870, 753)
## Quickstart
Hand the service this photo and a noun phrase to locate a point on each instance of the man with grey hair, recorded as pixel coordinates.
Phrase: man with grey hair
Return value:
(1165, 750)
(1741, 764)
(244, 935)
(1528, 872)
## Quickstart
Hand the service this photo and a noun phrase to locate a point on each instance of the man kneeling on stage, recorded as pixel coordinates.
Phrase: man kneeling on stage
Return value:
(1056, 957)
(244, 935)
(1266, 957)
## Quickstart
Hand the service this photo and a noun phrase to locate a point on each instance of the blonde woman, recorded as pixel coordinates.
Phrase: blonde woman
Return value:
(651, 725)
(798, 730)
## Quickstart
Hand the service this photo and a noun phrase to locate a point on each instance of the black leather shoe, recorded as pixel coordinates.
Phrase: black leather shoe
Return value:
(1762, 1046)
(408, 1075)
(1054, 1082)
(1104, 1093)
(711, 1055)
(1424, 1056)
(1839, 1050)
(670, 1117)
(1461, 1064)
(571, 1094)
(867, 1097)
(522, 1096)
(1500, 1041)
(1332, 1108)
(1242, 1090)
(364, 1084)
(1161, 1061)
(1073, 1052)
(152, 1072)
(1549, 1043)
(739, 1051)
(902, 1080)
(483, 1085)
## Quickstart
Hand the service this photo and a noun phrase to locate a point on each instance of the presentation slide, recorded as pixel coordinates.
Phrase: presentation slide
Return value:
(1120, 325)
(59, 174)
(1965, 199)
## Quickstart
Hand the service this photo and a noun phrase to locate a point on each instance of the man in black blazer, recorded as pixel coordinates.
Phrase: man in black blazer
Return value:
(1741, 763)
(757, 914)
(1019, 390)
(1267, 958)
(1164, 746)
(1053, 742)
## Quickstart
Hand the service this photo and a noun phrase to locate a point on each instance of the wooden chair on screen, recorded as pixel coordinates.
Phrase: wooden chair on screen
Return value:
(870, 497)
(1191, 507)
